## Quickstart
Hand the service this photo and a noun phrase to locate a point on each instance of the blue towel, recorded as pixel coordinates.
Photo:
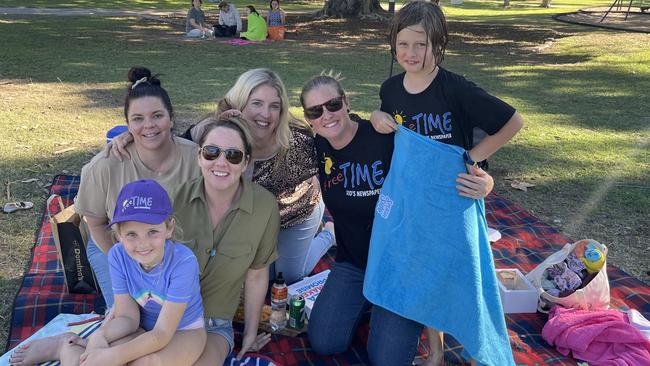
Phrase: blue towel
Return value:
(430, 259)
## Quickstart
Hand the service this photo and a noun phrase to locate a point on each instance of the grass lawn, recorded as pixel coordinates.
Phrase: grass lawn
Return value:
(582, 92)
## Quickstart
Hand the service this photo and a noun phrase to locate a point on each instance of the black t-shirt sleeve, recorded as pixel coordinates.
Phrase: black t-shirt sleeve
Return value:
(382, 97)
(482, 109)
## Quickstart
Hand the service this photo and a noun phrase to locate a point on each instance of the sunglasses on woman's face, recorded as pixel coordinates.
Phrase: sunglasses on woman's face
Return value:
(332, 105)
(212, 152)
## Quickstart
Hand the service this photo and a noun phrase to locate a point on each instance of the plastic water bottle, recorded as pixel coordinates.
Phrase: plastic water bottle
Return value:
(278, 318)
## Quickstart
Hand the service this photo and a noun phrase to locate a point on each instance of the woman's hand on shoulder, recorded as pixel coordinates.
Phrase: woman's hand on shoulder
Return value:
(230, 113)
(382, 122)
(476, 184)
(117, 146)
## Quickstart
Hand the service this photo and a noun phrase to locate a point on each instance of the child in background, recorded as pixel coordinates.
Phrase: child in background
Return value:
(275, 19)
(440, 104)
(275, 16)
(158, 311)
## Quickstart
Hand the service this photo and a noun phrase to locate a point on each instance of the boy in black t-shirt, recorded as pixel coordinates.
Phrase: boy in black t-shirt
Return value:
(440, 104)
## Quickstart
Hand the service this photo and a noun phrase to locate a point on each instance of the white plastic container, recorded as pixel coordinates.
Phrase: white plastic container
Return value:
(517, 294)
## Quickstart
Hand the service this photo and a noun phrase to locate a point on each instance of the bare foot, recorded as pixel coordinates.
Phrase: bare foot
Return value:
(40, 350)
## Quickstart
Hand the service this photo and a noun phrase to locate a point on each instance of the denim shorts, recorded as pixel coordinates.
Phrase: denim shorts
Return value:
(223, 328)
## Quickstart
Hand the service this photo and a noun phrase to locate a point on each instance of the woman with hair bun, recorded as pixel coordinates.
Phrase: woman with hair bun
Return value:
(155, 154)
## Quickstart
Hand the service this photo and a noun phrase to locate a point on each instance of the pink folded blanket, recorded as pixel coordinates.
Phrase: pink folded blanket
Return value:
(602, 337)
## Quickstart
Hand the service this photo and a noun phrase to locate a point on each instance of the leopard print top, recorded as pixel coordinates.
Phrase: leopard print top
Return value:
(292, 179)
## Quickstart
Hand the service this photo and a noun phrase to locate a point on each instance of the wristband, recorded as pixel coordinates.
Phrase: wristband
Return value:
(468, 160)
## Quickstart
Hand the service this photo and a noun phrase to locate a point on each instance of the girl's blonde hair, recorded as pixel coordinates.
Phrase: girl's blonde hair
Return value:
(177, 232)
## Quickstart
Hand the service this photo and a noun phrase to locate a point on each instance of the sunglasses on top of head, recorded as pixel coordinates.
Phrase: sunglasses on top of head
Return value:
(212, 152)
(332, 105)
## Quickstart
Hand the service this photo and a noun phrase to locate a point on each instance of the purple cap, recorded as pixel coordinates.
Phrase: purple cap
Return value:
(142, 201)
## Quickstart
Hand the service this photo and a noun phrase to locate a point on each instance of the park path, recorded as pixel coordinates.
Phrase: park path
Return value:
(106, 12)
(90, 12)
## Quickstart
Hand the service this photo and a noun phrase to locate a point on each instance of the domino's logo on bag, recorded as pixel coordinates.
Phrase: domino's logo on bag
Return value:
(384, 206)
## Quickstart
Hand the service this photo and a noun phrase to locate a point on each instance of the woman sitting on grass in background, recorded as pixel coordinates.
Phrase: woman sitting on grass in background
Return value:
(256, 29)
(158, 313)
(229, 21)
(195, 24)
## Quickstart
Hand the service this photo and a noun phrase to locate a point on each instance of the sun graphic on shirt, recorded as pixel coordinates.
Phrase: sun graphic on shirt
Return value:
(329, 164)
(399, 117)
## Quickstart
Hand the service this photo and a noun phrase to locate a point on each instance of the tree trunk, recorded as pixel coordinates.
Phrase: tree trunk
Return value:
(352, 9)
(546, 4)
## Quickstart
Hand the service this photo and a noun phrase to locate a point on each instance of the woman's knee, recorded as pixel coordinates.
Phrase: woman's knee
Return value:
(325, 343)
(323, 339)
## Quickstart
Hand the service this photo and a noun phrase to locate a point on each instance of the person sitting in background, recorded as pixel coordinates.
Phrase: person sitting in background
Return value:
(256, 30)
(195, 25)
(275, 21)
(275, 16)
(229, 21)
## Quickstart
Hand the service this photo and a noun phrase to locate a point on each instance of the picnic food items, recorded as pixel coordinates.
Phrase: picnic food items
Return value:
(593, 291)
(594, 258)
(278, 318)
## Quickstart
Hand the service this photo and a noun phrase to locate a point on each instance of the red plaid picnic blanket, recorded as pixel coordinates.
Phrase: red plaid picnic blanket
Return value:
(525, 242)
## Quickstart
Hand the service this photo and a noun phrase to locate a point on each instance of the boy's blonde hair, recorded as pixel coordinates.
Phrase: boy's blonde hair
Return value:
(432, 19)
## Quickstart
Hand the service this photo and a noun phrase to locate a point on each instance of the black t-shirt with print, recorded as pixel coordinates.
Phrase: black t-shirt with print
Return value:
(350, 180)
(447, 110)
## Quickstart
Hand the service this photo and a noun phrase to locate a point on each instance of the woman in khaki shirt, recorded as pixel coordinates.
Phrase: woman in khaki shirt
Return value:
(232, 225)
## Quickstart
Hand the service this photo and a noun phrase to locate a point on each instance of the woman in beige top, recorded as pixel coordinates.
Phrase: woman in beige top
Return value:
(155, 154)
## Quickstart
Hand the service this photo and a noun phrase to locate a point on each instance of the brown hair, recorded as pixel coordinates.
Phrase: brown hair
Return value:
(325, 78)
(432, 19)
(236, 124)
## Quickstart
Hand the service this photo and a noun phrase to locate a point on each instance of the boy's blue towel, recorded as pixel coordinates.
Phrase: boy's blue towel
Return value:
(430, 259)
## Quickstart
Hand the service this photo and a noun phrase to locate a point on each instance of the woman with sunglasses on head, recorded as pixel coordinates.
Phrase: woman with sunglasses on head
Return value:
(232, 225)
(355, 160)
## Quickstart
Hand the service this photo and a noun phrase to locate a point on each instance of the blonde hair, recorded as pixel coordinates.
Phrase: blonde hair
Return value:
(170, 222)
(237, 97)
